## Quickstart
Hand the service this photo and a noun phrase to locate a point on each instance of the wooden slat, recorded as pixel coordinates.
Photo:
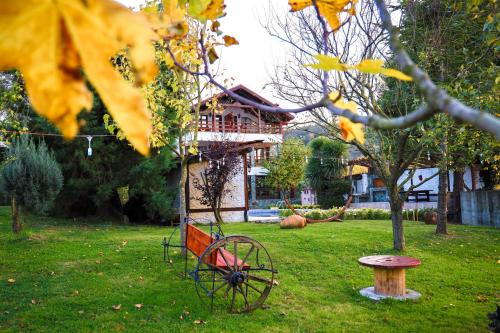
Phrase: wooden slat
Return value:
(197, 242)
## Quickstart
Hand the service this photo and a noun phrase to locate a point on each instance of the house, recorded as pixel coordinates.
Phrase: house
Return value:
(308, 196)
(257, 133)
(369, 189)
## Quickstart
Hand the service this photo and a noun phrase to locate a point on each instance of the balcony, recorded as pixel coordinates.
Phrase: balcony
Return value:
(237, 127)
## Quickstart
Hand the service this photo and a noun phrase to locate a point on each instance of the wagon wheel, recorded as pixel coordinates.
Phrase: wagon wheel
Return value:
(244, 282)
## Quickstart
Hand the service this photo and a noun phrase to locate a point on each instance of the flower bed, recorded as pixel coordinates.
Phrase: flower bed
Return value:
(359, 214)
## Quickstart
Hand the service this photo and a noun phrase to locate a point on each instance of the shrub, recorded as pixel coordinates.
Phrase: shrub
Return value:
(31, 177)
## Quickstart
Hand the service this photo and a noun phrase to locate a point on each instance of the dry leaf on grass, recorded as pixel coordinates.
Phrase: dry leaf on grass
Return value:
(198, 322)
(117, 307)
(138, 306)
(11, 281)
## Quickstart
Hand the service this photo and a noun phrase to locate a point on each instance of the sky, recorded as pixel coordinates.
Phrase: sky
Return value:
(250, 62)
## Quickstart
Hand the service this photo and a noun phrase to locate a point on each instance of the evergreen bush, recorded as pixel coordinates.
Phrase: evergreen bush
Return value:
(31, 177)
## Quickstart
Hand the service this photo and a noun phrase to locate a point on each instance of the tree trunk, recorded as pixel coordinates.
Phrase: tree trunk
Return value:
(442, 200)
(218, 216)
(397, 219)
(217, 210)
(182, 203)
(16, 212)
(458, 186)
(473, 176)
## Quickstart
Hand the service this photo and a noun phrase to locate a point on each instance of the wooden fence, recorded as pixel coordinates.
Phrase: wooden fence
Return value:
(481, 208)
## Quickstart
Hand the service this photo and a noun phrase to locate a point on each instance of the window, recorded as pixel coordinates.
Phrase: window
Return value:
(263, 191)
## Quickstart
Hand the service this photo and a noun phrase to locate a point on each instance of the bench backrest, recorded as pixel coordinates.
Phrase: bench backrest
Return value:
(197, 240)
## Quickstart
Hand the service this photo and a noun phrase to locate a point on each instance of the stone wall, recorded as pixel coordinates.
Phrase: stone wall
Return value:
(480, 208)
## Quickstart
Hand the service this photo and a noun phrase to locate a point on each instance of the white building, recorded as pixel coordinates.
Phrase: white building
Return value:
(257, 132)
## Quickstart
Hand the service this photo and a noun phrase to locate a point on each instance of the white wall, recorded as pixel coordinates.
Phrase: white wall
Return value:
(235, 199)
(431, 185)
(238, 137)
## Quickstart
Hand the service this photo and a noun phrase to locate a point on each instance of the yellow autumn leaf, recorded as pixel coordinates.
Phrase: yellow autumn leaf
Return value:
(204, 10)
(348, 129)
(170, 23)
(375, 66)
(50, 41)
(228, 41)
(351, 131)
(328, 63)
(329, 9)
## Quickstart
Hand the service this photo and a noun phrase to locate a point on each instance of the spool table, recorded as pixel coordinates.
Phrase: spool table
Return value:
(389, 277)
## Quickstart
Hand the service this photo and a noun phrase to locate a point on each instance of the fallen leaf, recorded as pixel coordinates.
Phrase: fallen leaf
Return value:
(117, 307)
(181, 317)
(98, 262)
(11, 281)
(124, 243)
(100, 273)
(138, 306)
(76, 292)
(481, 298)
(81, 312)
(199, 321)
(33, 301)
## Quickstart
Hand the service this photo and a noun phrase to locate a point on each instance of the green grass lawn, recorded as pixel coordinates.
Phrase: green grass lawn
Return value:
(69, 274)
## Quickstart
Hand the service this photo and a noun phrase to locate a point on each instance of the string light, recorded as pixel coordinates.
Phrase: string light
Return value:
(89, 150)
(428, 156)
(199, 157)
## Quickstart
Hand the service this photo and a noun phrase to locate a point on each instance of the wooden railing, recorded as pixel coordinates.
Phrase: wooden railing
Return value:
(231, 127)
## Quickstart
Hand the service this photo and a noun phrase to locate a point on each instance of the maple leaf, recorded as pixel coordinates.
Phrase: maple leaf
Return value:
(51, 41)
(328, 63)
(374, 66)
(329, 9)
(228, 41)
(348, 129)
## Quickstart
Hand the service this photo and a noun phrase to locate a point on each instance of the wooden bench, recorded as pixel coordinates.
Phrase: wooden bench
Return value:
(238, 267)
(197, 241)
